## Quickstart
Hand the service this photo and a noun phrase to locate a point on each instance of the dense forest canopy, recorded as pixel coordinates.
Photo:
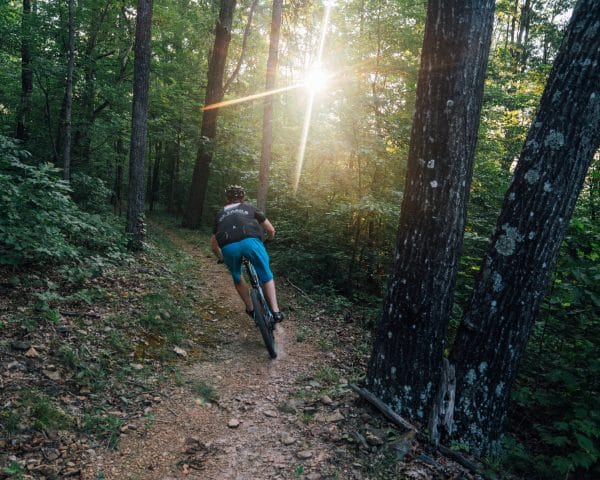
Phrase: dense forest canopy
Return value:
(337, 226)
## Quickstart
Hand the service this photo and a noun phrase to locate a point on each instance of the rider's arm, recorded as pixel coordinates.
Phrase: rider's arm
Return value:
(269, 229)
(215, 247)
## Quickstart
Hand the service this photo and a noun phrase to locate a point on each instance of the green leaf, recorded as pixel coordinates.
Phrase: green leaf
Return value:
(587, 444)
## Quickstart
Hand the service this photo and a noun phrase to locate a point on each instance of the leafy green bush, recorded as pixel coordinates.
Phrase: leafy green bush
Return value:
(90, 193)
(559, 383)
(40, 224)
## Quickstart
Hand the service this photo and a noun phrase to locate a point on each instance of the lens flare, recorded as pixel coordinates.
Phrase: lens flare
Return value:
(311, 99)
(316, 80)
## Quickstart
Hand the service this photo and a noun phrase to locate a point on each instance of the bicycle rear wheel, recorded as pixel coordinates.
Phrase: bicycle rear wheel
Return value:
(261, 319)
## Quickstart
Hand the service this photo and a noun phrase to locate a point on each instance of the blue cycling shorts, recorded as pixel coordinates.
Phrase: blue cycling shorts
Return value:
(254, 250)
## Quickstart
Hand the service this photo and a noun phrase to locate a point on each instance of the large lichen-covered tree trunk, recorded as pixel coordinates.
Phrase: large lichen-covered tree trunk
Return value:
(139, 125)
(537, 208)
(208, 131)
(406, 359)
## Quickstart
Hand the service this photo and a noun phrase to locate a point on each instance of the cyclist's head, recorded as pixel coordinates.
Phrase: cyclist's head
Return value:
(234, 193)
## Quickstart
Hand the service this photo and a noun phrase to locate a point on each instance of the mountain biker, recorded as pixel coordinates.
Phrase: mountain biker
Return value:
(238, 232)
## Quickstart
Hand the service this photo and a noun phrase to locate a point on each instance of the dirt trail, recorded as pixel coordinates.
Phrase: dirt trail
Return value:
(256, 428)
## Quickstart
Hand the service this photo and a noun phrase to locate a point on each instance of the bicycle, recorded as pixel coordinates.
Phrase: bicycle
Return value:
(263, 317)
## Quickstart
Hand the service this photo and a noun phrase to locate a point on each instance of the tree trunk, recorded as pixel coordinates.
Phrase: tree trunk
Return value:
(247, 30)
(139, 125)
(208, 131)
(267, 128)
(66, 143)
(406, 360)
(82, 136)
(118, 186)
(524, 25)
(23, 111)
(537, 208)
(174, 155)
(155, 186)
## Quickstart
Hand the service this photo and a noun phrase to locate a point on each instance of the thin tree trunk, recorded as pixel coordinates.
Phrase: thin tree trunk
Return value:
(267, 128)
(118, 186)
(148, 175)
(524, 24)
(537, 208)
(594, 188)
(82, 137)
(174, 153)
(234, 75)
(66, 143)
(208, 131)
(139, 125)
(49, 121)
(155, 187)
(407, 356)
(23, 111)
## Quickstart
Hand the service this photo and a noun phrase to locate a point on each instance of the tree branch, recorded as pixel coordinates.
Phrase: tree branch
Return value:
(244, 45)
(398, 420)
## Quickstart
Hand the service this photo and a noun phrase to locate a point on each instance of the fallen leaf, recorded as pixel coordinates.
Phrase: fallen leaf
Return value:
(32, 353)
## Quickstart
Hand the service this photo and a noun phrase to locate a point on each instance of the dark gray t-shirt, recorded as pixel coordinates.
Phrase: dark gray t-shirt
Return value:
(236, 223)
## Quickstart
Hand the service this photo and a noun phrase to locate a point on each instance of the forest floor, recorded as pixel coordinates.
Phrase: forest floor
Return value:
(163, 376)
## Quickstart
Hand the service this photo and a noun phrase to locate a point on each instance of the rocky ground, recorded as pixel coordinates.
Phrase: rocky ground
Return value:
(217, 407)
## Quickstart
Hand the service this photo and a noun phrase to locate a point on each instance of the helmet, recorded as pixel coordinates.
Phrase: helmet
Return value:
(234, 192)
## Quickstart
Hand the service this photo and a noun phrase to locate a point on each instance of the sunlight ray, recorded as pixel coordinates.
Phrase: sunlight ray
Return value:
(310, 100)
(248, 98)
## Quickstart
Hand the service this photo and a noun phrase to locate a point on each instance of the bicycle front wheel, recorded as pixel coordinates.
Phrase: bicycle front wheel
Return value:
(261, 319)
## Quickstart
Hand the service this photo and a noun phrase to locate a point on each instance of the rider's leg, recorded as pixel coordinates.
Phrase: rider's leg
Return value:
(244, 293)
(260, 259)
(232, 255)
(271, 294)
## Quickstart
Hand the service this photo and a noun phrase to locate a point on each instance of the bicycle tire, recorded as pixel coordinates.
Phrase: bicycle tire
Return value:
(261, 321)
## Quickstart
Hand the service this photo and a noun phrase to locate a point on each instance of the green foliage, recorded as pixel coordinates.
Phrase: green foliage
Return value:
(43, 412)
(14, 471)
(9, 422)
(562, 358)
(327, 375)
(90, 193)
(163, 316)
(92, 373)
(205, 391)
(40, 223)
(104, 427)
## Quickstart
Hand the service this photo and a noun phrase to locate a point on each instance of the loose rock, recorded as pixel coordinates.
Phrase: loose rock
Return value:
(20, 345)
(304, 454)
(233, 423)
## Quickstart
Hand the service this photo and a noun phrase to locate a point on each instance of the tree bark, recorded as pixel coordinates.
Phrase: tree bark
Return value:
(139, 125)
(406, 360)
(267, 127)
(22, 132)
(82, 136)
(516, 269)
(120, 153)
(155, 186)
(66, 143)
(236, 70)
(208, 131)
(174, 154)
